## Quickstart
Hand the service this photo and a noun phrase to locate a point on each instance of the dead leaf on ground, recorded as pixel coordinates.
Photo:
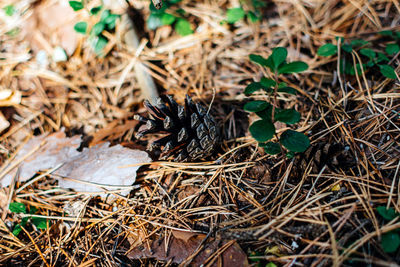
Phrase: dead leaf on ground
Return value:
(51, 25)
(103, 167)
(4, 124)
(183, 244)
(9, 98)
(3, 199)
(51, 150)
(113, 131)
(87, 171)
(135, 237)
(190, 191)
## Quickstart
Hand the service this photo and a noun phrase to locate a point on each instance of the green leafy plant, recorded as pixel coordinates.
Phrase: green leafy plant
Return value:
(390, 241)
(263, 130)
(253, 14)
(9, 10)
(168, 15)
(17, 207)
(371, 58)
(106, 22)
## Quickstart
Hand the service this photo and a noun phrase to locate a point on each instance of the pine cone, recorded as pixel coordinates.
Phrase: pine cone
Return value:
(191, 133)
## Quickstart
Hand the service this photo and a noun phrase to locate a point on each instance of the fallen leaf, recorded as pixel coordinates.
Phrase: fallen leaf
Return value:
(89, 171)
(51, 151)
(273, 250)
(190, 191)
(74, 207)
(335, 188)
(4, 124)
(9, 98)
(135, 237)
(111, 130)
(59, 54)
(51, 25)
(183, 235)
(3, 199)
(4, 94)
(102, 166)
(183, 244)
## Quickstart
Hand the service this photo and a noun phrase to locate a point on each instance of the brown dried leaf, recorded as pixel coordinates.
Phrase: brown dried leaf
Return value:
(9, 98)
(51, 151)
(4, 124)
(103, 166)
(183, 235)
(50, 25)
(189, 191)
(183, 244)
(3, 199)
(112, 129)
(91, 170)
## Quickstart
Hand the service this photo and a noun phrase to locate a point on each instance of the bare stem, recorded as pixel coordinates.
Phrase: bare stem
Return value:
(275, 94)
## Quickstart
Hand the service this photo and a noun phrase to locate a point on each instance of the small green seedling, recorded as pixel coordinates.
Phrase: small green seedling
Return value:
(263, 130)
(164, 15)
(107, 22)
(390, 241)
(369, 56)
(254, 14)
(9, 10)
(17, 207)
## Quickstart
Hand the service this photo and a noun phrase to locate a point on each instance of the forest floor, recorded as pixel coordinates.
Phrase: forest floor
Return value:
(337, 204)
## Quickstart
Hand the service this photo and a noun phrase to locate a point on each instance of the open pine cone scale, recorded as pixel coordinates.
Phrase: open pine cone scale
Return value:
(191, 133)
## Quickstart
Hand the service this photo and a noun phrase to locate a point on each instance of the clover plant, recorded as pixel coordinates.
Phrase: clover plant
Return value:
(9, 10)
(390, 241)
(106, 22)
(168, 15)
(254, 14)
(263, 130)
(17, 207)
(370, 57)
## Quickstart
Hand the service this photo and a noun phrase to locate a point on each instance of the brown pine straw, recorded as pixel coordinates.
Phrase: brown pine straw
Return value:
(36, 247)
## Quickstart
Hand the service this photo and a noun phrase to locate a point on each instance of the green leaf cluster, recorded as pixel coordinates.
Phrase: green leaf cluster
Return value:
(263, 130)
(277, 62)
(235, 14)
(9, 10)
(16, 207)
(165, 16)
(76, 5)
(370, 56)
(390, 241)
(107, 22)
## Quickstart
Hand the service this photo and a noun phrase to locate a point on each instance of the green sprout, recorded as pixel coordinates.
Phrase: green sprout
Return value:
(107, 22)
(263, 130)
(371, 58)
(17, 207)
(254, 14)
(390, 241)
(9, 10)
(165, 16)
